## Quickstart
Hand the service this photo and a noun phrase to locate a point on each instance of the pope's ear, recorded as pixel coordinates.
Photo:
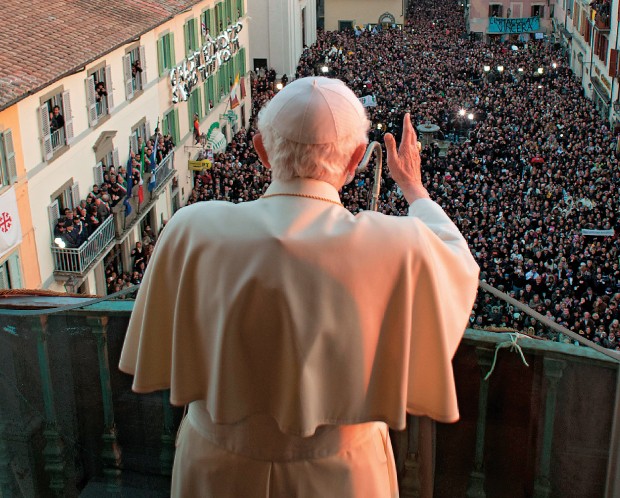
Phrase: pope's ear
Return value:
(356, 159)
(259, 146)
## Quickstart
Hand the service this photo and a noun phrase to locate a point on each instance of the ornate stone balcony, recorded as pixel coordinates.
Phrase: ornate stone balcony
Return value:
(70, 425)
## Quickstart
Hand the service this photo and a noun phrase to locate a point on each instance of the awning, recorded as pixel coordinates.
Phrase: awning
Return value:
(217, 141)
(600, 89)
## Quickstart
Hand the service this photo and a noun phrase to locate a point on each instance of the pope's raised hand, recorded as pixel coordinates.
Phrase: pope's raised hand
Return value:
(405, 163)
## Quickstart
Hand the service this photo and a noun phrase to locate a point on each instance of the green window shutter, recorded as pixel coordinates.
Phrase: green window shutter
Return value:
(173, 58)
(160, 56)
(242, 61)
(186, 35)
(176, 134)
(209, 23)
(165, 127)
(196, 38)
(199, 108)
(190, 111)
(228, 7)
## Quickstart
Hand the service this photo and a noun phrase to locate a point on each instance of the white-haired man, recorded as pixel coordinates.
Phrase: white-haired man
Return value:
(296, 331)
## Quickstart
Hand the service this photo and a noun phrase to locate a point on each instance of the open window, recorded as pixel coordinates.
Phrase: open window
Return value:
(55, 122)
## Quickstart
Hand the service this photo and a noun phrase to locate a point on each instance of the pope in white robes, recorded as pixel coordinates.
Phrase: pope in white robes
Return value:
(296, 331)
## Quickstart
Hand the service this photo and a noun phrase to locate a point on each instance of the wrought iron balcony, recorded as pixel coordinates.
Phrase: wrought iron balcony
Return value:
(78, 261)
(544, 423)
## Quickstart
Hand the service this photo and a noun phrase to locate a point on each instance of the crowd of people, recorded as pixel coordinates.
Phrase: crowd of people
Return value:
(538, 167)
(77, 224)
(116, 278)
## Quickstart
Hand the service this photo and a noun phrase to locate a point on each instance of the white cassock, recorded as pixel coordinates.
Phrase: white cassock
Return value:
(299, 332)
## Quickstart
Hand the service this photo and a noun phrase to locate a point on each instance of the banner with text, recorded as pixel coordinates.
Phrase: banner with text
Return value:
(501, 25)
(10, 227)
(369, 101)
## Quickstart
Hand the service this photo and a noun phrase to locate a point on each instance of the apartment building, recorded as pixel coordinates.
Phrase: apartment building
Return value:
(71, 110)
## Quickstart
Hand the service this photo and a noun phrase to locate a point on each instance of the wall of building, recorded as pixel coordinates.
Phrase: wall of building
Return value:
(361, 12)
(479, 13)
(74, 164)
(29, 274)
(277, 32)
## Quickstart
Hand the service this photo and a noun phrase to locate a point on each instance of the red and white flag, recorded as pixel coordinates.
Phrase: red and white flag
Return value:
(10, 227)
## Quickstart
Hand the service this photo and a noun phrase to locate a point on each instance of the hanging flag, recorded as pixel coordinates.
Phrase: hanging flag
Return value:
(234, 100)
(140, 187)
(242, 84)
(129, 184)
(10, 226)
(153, 159)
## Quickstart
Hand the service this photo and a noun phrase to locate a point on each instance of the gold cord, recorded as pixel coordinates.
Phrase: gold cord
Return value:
(307, 196)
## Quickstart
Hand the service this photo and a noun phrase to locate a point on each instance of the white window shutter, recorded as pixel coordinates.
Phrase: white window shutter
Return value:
(66, 108)
(143, 65)
(127, 76)
(53, 211)
(115, 159)
(4, 278)
(75, 195)
(98, 174)
(91, 100)
(108, 87)
(46, 134)
(15, 271)
(134, 143)
(9, 150)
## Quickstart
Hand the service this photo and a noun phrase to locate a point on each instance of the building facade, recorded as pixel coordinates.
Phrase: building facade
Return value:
(491, 19)
(592, 44)
(343, 14)
(182, 60)
(280, 29)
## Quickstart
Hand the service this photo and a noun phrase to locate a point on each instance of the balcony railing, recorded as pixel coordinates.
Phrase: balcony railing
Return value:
(163, 169)
(542, 421)
(102, 106)
(78, 260)
(58, 138)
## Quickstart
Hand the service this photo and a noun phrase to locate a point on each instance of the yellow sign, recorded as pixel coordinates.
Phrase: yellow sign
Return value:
(199, 165)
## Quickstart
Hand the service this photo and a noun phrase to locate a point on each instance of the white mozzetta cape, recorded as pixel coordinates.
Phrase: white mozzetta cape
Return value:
(296, 308)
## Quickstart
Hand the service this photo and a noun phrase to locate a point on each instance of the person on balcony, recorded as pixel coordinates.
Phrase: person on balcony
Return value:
(116, 191)
(58, 121)
(71, 236)
(196, 129)
(310, 329)
(100, 91)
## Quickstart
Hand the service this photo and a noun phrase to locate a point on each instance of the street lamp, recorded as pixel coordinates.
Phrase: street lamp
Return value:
(462, 112)
(540, 70)
(520, 69)
(324, 69)
(554, 65)
(487, 69)
(470, 116)
(279, 86)
(500, 69)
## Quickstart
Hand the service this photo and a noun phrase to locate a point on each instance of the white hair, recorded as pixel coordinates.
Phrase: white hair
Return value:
(325, 162)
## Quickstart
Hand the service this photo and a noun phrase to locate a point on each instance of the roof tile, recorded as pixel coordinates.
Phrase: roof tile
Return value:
(53, 38)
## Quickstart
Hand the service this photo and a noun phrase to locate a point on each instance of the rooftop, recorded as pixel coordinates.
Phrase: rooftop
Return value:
(46, 40)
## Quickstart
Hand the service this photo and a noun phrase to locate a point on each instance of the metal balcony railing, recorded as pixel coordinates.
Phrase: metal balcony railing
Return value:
(163, 169)
(58, 138)
(77, 261)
